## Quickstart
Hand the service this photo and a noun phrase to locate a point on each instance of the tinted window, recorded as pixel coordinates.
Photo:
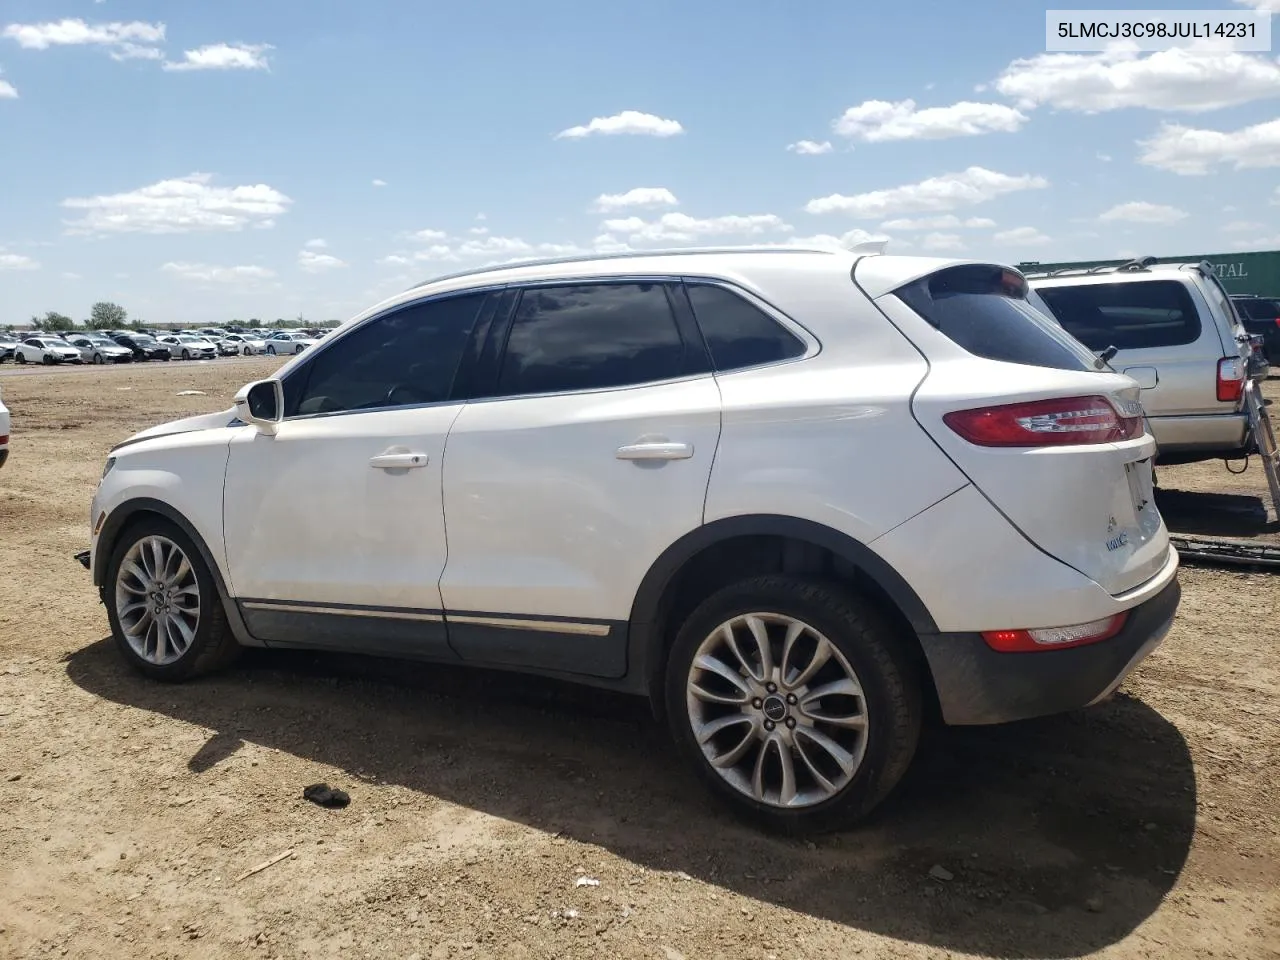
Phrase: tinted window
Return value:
(1257, 308)
(406, 357)
(1129, 316)
(984, 310)
(591, 336)
(738, 333)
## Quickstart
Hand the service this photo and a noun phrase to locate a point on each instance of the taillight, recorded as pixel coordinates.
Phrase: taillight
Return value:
(1230, 379)
(1045, 423)
(4, 439)
(1054, 638)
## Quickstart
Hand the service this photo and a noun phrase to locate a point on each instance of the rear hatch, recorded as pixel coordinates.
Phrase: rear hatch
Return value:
(1058, 446)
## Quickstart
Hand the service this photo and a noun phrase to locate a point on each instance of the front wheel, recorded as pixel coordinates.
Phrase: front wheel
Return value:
(186, 354)
(20, 358)
(99, 358)
(48, 360)
(271, 349)
(248, 352)
(794, 701)
(165, 613)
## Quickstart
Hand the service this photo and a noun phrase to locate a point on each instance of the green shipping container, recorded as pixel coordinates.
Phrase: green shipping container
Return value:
(1256, 272)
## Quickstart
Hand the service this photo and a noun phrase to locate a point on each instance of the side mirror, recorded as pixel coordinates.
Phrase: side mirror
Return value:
(261, 404)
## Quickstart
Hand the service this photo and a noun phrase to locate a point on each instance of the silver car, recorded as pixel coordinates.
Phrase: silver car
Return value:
(1174, 330)
(95, 348)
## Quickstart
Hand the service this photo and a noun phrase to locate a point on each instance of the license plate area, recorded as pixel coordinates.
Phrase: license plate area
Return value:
(1141, 485)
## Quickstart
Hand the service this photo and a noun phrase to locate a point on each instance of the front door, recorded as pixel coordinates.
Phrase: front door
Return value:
(335, 525)
(590, 456)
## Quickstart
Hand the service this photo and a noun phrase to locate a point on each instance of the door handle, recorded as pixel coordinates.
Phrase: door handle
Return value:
(657, 450)
(398, 461)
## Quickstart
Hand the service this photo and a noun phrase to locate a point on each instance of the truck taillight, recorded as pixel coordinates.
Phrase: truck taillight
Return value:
(1045, 423)
(1230, 379)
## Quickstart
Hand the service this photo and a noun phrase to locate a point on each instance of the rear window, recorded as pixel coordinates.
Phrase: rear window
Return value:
(1257, 308)
(1128, 316)
(985, 311)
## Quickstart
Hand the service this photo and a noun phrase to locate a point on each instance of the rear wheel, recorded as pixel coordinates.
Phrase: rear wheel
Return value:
(247, 351)
(186, 354)
(20, 358)
(271, 349)
(98, 358)
(165, 613)
(794, 701)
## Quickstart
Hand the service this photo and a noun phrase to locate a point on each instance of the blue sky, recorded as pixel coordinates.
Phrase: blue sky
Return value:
(208, 161)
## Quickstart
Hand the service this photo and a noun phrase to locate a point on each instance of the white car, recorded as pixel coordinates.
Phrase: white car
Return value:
(187, 346)
(95, 348)
(789, 496)
(4, 432)
(246, 345)
(43, 349)
(287, 342)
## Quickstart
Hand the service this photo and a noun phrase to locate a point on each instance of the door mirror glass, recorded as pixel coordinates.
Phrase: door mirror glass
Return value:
(261, 404)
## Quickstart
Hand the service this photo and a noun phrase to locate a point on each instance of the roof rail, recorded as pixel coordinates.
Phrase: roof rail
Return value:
(1129, 266)
(624, 255)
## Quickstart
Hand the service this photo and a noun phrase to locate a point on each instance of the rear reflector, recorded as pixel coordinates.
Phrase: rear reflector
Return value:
(1054, 638)
(1045, 423)
(1230, 379)
(4, 439)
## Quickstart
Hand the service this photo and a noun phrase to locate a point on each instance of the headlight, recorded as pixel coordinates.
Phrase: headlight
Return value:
(111, 462)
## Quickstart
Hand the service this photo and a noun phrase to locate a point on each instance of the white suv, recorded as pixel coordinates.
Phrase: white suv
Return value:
(790, 496)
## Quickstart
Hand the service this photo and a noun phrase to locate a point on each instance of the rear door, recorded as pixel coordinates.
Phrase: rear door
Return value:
(1166, 336)
(1056, 445)
(588, 457)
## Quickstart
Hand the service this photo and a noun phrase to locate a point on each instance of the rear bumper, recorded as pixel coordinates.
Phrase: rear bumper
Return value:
(977, 685)
(1209, 434)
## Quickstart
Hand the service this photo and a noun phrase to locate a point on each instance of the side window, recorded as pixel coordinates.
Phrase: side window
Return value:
(590, 336)
(33, 342)
(738, 333)
(404, 358)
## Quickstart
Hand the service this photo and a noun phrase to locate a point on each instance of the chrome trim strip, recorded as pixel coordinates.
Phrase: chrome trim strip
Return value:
(342, 611)
(543, 626)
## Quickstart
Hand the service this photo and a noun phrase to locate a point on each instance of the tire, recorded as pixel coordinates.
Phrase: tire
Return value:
(98, 358)
(271, 349)
(210, 644)
(186, 354)
(299, 350)
(48, 360)
(248, 352)
(863, 648)
(19, 357)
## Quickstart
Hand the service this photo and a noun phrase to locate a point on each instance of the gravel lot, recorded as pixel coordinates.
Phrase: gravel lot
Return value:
(1146, 827)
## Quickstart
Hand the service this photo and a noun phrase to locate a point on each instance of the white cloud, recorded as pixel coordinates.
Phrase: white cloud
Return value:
(942, 193)
(942, 242)
(75, 32)
(68, 275)
(209, 273)
(396, 260)
(628, 121)
(313, 262)
(427, 236)
(319, 243)
(1189, 151)
(223, 56)
(136, 51)
(1269, 6)
(379, 183)
(1139, 211)
(810, 148)
(478, 231)
(879, 120)
(1104, 157)
(183, 205)
(844, 241)
(948, 221)
(1173, 80)
(481, 216)
(7, 91)
(636, 197)
(16, 261)
(1242, 226)
(1022, 237)
(682, 228)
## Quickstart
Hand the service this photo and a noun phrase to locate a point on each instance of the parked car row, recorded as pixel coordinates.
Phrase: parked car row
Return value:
(122, 346)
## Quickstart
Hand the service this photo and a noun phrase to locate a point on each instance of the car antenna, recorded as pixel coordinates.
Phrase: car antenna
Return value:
(1106, 356)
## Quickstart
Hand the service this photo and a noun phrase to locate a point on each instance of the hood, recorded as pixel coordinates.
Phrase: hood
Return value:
(203, 421)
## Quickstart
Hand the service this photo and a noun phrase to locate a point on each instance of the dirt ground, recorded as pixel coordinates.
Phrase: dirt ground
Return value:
(1145, 827)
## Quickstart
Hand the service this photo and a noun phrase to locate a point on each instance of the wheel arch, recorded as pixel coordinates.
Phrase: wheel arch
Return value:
(736, 547)
(139, 508)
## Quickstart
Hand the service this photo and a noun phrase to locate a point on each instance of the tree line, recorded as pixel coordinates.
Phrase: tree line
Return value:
(105, 315)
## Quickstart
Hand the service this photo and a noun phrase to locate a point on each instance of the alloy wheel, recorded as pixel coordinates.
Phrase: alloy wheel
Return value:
(157, 600)
(777, 710)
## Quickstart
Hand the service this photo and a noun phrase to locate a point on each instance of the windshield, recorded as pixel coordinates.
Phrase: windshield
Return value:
(985, 311)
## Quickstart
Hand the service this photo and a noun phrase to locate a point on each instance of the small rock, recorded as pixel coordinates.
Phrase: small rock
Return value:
(1029, 906)
(939, 872)
(586, 882)
(1093, 904)
(669, 953)
(15, 777)
(1150, 826)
